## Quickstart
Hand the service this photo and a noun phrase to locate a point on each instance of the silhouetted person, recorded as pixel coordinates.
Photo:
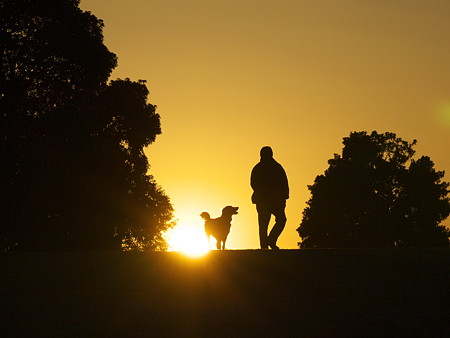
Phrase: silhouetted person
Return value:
(270, 192)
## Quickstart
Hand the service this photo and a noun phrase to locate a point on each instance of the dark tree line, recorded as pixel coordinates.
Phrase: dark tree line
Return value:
(376, 195)
(75, 176)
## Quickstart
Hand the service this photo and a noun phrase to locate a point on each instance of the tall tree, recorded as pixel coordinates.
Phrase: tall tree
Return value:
(72, 145)
(376, 195)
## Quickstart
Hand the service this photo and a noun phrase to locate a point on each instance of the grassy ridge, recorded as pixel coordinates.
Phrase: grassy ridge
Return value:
(233, 293)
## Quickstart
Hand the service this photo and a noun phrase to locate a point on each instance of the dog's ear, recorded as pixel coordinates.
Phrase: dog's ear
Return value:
(230, 210)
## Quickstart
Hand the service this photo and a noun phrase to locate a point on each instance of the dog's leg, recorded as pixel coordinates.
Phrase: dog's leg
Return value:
(218, 244)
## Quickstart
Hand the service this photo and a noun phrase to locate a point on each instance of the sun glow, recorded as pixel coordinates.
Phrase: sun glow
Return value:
(188, 240)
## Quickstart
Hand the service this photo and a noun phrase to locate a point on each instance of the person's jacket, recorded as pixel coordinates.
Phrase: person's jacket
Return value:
(269, 182)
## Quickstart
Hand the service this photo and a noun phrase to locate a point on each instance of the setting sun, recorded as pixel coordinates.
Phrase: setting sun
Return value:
(188, 240)
(188, 237)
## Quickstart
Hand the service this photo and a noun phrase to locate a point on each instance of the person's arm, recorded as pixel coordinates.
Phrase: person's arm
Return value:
(254, 178)
(284, 183)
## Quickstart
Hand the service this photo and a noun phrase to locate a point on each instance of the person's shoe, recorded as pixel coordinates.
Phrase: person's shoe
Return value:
(274, 247)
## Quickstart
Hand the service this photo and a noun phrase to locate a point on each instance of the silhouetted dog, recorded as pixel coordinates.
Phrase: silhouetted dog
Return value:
(219, 228)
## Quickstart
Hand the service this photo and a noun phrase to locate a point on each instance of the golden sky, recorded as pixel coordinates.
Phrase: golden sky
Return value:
(231, 76)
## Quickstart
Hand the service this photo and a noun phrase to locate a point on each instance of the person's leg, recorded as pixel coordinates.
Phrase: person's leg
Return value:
(263, 222)
(280, 222)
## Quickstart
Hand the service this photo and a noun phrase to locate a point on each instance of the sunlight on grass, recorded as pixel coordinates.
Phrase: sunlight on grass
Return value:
(188, 240)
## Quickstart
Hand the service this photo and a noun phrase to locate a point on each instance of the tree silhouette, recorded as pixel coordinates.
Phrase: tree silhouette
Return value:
(376, 195)
(75, 174)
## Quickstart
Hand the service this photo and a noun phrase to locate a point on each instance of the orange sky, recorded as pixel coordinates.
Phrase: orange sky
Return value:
(231, 76)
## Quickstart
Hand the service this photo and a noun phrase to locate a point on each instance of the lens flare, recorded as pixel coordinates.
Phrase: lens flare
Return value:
(444, 113)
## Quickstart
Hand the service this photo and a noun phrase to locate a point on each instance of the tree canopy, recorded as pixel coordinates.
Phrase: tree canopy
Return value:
(75, 173)
(376, 195)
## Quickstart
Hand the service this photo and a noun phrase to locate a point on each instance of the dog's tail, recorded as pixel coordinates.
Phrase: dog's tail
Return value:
(205, 216)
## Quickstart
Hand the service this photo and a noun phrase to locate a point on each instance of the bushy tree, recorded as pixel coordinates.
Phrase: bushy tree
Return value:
(75, 174)
(376, 195)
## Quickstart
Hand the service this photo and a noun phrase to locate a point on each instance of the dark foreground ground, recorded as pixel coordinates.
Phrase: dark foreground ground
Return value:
(301, 293)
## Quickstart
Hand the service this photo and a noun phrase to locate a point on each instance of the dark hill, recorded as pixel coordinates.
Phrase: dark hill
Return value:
(310, 293)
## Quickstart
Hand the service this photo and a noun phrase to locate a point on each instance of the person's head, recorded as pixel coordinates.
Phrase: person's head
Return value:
(266, 153)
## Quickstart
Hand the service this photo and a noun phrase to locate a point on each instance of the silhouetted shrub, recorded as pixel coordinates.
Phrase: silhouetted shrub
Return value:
(376, 195)
(75, 174)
